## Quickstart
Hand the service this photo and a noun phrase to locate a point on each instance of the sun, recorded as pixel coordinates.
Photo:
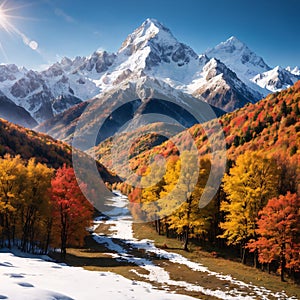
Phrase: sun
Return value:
(4, 19)
(7, 17)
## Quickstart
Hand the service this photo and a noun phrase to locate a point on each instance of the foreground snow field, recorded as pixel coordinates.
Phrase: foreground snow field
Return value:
(24, 278)
(38, 278)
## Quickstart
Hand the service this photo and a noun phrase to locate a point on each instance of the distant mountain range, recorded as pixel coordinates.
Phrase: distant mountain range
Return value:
(227, 76)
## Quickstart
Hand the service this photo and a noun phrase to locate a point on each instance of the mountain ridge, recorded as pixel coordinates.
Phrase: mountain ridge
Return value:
(151, 51)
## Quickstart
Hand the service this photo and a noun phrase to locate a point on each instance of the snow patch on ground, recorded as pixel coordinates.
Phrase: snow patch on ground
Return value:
(121, 228)
(27, 278)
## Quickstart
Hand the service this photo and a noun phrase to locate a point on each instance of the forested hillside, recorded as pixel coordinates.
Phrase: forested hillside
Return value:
(41, 204)
(263, 143)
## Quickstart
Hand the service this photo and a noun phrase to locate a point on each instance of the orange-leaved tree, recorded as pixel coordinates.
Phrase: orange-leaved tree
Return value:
(72, 213)
(279, 231)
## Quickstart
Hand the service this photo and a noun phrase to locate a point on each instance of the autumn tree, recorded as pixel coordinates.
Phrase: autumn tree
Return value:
(279, 233)
(248, 186)
(187, 219)
(72, 213)
(289, 175)
(153, 184)
(35, 207)
(12, 174)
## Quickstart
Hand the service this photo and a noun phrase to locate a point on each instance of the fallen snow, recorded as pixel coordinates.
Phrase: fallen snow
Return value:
(33, 278)
(39, 278)
(121, 228)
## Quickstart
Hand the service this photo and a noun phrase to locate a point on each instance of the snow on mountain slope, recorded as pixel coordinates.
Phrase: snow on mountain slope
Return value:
(50, 92)
(294, 71)
(127, 102)
(239, 58)
(276, 79)
(220, 87)
(152, 51)
(251, 68)
(42, 96)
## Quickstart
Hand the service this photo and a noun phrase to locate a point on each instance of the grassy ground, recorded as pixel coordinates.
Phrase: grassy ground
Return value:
(96, 257)
(220, 265)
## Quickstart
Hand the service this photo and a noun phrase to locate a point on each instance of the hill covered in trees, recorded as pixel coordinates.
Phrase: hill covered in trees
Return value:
(262, 142)
(17, 140)
(272, 125)
(41, 204)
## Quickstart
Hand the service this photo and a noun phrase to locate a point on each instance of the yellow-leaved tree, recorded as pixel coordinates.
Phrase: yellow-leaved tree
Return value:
(188, 220)
(153, 183)
(248, 186)
(12, 174)
(35, 212)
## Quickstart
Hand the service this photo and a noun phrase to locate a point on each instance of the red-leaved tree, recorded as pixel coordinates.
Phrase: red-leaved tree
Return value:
(279, 233)
(72, 213)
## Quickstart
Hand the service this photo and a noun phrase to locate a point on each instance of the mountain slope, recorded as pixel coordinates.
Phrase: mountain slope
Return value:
(15, 140)
(271, 125)
(14, 113)
(239, 58)
(227, 76)
(221, 87)
(152, 50)
(131, 101)
(276, 79)
(251, 68)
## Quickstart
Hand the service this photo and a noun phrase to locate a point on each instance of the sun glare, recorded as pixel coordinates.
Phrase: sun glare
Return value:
(7, 25)
(3, 18)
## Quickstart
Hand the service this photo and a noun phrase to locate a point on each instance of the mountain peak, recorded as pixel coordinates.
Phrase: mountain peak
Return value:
(154, 25)
(234, 40)
(239, 58)
(231, 45)
(150, 30)
(294, 71)
(153, 22)
(278, 69)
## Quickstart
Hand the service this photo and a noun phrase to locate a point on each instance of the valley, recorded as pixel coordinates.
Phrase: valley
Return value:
(152, 272)
(149, 170)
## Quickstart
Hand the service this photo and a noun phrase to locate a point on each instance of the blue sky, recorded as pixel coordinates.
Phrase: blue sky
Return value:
(79, 27)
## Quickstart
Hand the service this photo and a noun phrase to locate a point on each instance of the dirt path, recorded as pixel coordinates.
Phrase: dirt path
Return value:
(112, 247)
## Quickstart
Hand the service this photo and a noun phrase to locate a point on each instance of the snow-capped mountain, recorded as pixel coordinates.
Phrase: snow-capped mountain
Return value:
(41, 95)
(251, 68)
(294, 71)
(239, 58)
(227, 76)
(152, 50)
(276, 79)
(221, 87)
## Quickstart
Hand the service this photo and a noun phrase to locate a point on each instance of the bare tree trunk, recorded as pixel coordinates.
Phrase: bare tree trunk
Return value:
(255, 259)
(7, 229)
(167, 229)
(282, 262)
(63, 236)
(186, 238)
(244, 255)
(49, 228)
